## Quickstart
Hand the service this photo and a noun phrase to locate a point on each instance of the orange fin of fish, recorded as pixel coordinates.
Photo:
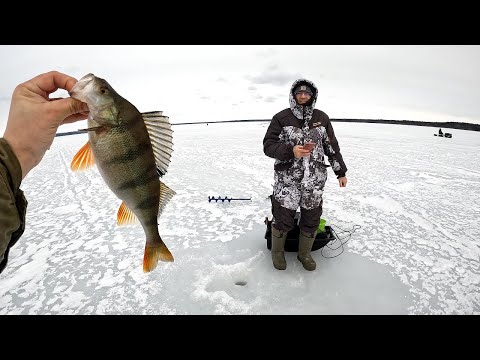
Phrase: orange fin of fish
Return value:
(153, 253)
(125, 216)
(83, 159)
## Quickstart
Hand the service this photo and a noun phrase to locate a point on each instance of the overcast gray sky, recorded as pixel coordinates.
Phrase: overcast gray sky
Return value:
(225, 82)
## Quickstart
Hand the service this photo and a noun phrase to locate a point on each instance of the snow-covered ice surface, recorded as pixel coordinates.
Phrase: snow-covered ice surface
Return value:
(415, 197)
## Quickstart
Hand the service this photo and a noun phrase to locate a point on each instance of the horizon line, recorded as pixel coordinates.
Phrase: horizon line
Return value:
(446, 124)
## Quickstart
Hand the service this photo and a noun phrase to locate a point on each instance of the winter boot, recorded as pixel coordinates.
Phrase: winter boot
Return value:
(278, 249)
(305, 242)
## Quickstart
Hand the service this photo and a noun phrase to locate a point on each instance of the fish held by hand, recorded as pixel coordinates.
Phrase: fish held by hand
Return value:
(132, 151)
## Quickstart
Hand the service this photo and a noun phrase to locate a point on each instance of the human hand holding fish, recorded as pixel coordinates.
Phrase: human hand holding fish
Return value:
(132, 150)
(34, 118)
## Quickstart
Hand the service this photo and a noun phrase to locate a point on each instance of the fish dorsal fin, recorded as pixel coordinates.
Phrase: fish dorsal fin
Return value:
(166, 194)
(83, 159)
(160, 132)
(125, 216)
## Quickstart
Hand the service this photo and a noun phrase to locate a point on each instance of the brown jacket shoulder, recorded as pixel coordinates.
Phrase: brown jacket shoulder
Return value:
(13, 205)
(286, 118)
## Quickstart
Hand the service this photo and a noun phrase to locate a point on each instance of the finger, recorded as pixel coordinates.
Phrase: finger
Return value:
(69, 106)
(74, 118)
(52, 81)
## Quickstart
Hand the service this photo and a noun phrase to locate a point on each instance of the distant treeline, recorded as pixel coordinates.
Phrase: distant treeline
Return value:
(447, 125)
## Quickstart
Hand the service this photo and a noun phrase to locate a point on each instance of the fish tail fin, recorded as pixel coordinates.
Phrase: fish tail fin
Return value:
(153, 253)
(83, 159)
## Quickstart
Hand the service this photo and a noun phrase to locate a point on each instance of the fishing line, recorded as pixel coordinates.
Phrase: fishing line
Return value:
(340, 239)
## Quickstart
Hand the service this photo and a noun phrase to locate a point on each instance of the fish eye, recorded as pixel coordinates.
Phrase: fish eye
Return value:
(103, 90)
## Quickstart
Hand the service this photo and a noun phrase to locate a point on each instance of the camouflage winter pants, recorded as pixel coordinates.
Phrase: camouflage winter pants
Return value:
(284, 219)
(302, 186)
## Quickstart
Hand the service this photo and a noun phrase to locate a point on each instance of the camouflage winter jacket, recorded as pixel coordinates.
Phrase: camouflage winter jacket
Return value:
(13, 204)
(285, 131)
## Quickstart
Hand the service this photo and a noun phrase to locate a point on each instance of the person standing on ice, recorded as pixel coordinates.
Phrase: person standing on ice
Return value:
(298, 138)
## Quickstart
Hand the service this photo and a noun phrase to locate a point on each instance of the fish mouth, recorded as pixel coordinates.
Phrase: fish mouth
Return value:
(81, 84)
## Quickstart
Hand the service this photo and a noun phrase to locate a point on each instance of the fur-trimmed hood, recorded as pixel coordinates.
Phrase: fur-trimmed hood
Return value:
(300, 110)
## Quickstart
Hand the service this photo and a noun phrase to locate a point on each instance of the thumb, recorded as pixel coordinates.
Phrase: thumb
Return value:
(69, 106)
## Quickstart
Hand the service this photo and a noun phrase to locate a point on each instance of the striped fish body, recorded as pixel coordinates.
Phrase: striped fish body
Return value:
(125, 160)
(131, 150)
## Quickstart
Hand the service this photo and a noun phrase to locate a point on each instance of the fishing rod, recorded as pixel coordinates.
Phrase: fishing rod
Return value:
(226, 198)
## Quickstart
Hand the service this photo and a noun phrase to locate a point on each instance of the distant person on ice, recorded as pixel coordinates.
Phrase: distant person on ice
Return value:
(32, 123)
(440, 131)
(298, 138)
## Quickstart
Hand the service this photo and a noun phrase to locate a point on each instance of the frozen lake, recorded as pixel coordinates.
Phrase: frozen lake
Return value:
(415, 197)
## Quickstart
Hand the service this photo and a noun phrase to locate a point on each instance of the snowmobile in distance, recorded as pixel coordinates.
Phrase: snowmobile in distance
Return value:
(441, 134)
